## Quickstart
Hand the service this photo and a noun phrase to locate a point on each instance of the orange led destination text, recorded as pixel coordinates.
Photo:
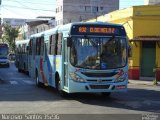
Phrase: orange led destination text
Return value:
(102, 30)
(82, 29)
(96, 30)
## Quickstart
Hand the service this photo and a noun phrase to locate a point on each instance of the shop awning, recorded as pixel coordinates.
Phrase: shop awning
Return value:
(146, 38)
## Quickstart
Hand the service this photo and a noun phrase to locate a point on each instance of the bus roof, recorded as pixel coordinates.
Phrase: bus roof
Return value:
(51, 31)
(37, 35)
(22, 41)
(67, 28)
(69, 25)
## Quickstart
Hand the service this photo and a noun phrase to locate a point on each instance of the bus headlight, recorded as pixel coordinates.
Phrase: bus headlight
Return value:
(76, 78)
(120, 79)
(121, 76)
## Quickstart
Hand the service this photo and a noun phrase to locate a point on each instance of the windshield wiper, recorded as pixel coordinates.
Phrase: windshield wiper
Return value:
(111, 38)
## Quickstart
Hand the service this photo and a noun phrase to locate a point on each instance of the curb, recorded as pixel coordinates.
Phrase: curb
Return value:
(142, 82)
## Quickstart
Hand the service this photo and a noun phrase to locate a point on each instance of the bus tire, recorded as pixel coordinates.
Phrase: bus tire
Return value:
(38, 84)
(58, 87)
(19, 70)
(106, 94)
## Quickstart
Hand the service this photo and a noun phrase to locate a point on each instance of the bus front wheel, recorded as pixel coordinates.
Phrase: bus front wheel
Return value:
(58, 87)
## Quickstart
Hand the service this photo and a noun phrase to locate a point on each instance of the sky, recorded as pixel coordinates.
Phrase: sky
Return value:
(30, 9)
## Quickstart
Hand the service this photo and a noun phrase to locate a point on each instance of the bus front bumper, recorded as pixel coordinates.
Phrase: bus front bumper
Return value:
(75, 87)
(4, 63)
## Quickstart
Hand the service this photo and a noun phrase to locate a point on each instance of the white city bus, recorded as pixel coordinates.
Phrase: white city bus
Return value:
(81, 57)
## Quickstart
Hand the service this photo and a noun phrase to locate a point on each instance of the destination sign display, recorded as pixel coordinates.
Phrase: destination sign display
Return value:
(97, 30)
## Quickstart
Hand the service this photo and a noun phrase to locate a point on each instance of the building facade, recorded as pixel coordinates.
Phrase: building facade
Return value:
(77, 10)
(142, 24)
(151, 2)
(14, 22)
(35, 26)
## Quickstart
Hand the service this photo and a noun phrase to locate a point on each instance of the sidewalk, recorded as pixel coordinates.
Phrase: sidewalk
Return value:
(142, 82)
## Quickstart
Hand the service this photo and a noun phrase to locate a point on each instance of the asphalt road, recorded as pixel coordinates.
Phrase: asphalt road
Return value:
(19, 94)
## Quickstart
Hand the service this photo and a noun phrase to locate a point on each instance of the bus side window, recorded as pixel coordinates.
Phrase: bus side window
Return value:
(52, 44)
(38, 45)
(30, 47)
(42, 45)
(59, 44)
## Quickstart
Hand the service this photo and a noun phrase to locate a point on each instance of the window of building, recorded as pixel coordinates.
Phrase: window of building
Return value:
(94, 9)
(61, 21)
(82, 8)
(61, 8)
(101, 8)
(88, 8)
(56, 23)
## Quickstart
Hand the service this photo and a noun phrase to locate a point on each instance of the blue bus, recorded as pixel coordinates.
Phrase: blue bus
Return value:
(81, 57)
(21, 58)
(4, 55)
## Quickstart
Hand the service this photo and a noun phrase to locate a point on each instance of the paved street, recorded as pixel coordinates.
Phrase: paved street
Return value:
(19, 94)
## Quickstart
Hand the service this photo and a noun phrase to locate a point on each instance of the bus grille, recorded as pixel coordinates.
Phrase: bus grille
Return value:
(99, 86)
(109, 80)
(99, 74)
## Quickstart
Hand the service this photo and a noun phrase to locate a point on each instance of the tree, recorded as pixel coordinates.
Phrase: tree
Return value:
(10, 34)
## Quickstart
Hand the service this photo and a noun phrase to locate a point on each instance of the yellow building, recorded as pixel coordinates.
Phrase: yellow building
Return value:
(142, 24)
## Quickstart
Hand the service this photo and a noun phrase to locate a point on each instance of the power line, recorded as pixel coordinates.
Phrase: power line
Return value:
(14, 12)
(24, 6)
(11, 6)
(32, 2)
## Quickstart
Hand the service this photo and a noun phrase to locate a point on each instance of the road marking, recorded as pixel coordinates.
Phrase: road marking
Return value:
(28, 82)
(134, 104)
(14, 82)
(22, 78)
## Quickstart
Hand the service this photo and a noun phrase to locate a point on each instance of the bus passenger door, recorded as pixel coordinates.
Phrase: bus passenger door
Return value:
(65, 62)
(46, 64)
(42, 66)
(32, 58)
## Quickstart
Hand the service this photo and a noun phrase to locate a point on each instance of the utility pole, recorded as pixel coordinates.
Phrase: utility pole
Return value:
(1, 13)
(1, 21)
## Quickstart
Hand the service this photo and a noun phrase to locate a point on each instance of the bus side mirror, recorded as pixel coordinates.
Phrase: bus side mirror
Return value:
(69, 42)
(129, 51)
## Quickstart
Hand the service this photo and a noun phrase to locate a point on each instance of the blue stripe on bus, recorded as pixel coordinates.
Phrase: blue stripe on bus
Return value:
(3, 57)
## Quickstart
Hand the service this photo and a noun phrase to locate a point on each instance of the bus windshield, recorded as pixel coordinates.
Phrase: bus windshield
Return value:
(3, 51)
(98, 52)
